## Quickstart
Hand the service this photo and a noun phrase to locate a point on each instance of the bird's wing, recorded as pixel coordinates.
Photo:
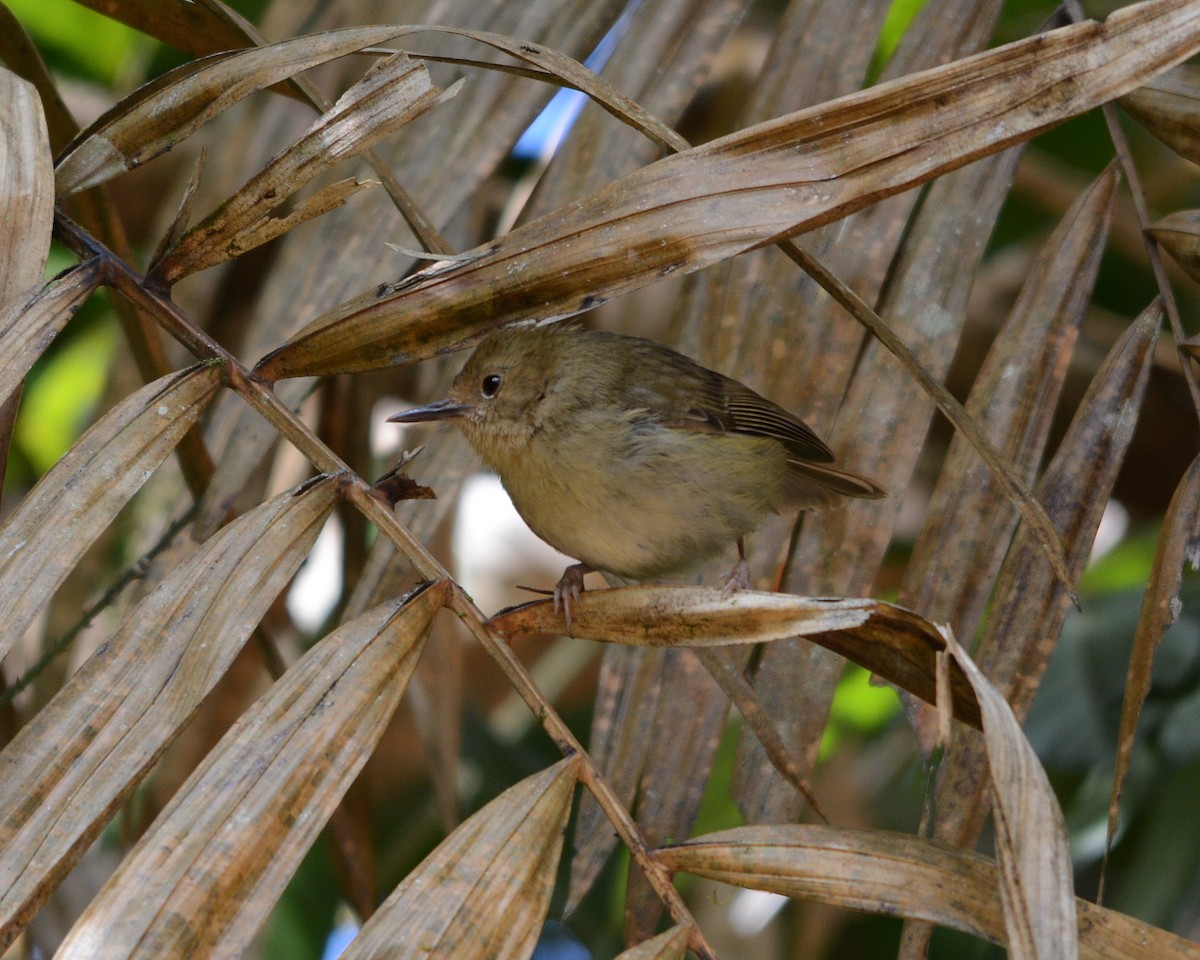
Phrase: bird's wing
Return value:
(752, 414)
(682, 394)
(679, 393)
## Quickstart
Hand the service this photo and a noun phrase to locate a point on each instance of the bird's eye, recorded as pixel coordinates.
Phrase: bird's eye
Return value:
(491, 385)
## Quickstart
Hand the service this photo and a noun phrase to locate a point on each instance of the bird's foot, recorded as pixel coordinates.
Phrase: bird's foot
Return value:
(568, 589)
(739, 577)
(736, 579)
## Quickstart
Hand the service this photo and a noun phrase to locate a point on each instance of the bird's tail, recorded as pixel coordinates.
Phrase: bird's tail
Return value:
(814, 485)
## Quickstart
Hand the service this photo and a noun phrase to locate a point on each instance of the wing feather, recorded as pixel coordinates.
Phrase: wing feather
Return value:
(679, 392)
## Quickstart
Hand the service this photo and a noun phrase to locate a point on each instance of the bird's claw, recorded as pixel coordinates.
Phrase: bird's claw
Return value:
(736, 579)
(568, 589)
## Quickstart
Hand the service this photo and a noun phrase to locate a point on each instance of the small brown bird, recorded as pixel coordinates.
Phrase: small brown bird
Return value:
(629, 456)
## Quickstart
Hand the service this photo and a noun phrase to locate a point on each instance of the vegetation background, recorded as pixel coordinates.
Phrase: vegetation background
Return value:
(1024, 281)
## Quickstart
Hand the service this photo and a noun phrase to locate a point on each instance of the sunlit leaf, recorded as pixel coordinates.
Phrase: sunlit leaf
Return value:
(27, 200)
(26, 214)
(894, 874)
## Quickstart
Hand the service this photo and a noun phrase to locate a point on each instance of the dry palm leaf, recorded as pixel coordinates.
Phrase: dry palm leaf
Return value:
(1169, 107)
(484, 891)
(892, 874)
(895, 643)
(1029, 606)
(792, 174)
(80, 756)
(71, 506)
(250, 812)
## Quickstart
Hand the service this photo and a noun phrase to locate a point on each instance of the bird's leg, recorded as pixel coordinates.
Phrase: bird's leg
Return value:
(568, 589)
(739, 577)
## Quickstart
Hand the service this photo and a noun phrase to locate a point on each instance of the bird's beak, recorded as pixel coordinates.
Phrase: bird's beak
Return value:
(438, 410)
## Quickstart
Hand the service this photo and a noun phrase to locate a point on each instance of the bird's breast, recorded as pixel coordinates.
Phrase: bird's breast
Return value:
(642, 501)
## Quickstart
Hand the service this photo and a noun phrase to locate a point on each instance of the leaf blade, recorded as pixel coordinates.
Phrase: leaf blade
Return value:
(173, 108)
(897, 644)
(202, 880)
(80, 756)
(60, 518)
(484, 891)
(791, 174)
(892, 873)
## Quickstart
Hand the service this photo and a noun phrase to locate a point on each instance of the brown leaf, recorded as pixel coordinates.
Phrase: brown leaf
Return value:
(27, 327)
(201, 882)
(1075, 488)
(484, 891)
(668, 945)
(1179, 235)
(1179, 543)
(791, 174)
(26, 215)
(685, 736)
(76, 761)
(19, 54)
(871, 870)
(1169, 107)
(888, 640)
(27, 200)
(392, 93)
(969, 525)
(626, 705)
(890, 874)
(44, 538)
(249, 439)
(1036, 880)
(685, 616)
(171, 108)
(183, 213)
(194, 28)
(1030, 605)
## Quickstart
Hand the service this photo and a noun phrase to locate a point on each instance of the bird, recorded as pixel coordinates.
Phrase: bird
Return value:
(629, 456)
